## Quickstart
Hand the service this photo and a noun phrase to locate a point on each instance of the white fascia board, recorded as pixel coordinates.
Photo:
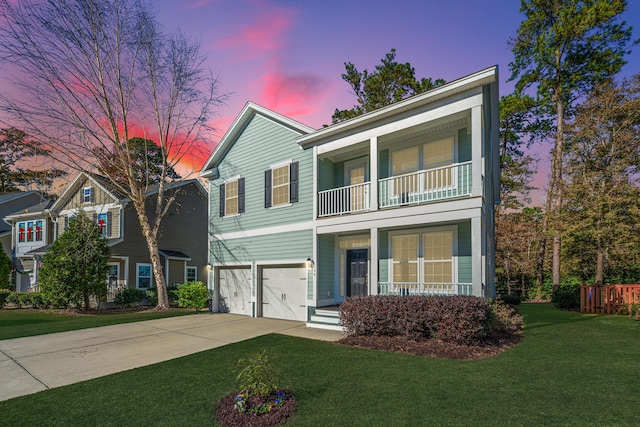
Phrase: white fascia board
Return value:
(486, 76)
(404, 217)
(445, 110)
(249, 110)
(300, 226)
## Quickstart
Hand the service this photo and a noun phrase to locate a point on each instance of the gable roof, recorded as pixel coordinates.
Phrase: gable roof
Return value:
(249, 111)
(78, 181)
(475, 80)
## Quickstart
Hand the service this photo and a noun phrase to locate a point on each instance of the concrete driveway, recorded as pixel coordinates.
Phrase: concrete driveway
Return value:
(32, 364)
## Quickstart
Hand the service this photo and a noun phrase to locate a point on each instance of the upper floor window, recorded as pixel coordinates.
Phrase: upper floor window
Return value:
(281, 185)
(30, 231)
(232, 197)
(87, 194)
(104, 223)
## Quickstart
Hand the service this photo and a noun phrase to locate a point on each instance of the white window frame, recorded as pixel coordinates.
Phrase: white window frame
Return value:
(186, 273)
(420, 259)
(105, 227)
(288, 184)
(227, 214)
(85, 194)
(138, 276)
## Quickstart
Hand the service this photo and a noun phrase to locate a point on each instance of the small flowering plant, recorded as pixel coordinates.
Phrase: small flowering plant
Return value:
(275, 400)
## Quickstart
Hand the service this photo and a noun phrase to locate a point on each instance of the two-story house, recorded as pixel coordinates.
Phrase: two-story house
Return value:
(182, 240)
(397, 201)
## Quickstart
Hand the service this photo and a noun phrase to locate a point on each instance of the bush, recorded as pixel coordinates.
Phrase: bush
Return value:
(4, 293)
(38, 300)
(457, 319)
(192, 295)
(14, 298)
(24, 298)
(256, 376)
(505, 319)
(567, 297)
(129, 297)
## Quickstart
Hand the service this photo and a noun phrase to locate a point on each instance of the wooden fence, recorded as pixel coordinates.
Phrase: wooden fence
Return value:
(607, 299)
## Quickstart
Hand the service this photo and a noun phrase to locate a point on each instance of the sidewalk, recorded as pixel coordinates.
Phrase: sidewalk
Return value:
(32, 364)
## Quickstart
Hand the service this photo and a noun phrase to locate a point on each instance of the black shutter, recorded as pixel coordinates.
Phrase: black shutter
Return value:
(222, 199)
(109, 219)
(240, 195)
(267, 188)
(95, 218)
(293, 182)
(66, 223)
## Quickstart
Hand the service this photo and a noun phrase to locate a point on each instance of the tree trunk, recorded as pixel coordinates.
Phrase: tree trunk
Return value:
(600, 266)
(87, 303)
(556, 175)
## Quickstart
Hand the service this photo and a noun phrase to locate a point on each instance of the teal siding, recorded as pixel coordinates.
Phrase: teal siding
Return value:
(383, 164)
(262, 144)
(465, 273)
(325, 174)
(338, 175)
(326, 266)
(383, 256)
(464, 146)
(295, 245)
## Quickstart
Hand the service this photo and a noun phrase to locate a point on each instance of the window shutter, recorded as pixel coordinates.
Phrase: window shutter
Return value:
(109, 219)
(222, 200)
(293, 182)
(240, 195)
(66, 223)
(267, 188)
(95, 218)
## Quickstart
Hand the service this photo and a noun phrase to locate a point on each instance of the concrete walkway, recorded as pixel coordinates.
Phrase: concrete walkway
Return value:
(32, 364)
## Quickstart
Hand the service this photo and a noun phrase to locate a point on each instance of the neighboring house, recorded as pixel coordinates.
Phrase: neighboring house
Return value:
(398, 201)
(182, 237)
(23, 202)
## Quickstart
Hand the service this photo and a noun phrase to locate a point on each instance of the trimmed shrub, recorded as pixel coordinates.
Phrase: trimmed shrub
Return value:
(457, 319)
(511, 299)
(38, 300)
(129, 297)
(24, 298)
(567, 297)
(192, 295)
(505, 319)
(4, 293)
(14, 298)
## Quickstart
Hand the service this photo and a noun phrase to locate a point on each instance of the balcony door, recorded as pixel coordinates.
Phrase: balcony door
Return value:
(355, 175)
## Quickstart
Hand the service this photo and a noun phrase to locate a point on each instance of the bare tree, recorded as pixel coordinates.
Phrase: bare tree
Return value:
(89, 75)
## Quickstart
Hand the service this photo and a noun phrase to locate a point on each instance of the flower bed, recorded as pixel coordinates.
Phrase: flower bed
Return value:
(273, 410)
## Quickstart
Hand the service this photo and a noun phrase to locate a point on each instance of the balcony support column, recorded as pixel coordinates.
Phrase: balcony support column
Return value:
(373, 173)
(477, 256)
(477, 158)
(373, 262)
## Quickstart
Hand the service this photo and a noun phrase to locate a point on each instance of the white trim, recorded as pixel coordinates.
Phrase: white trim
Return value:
(288, 184)
(281, 164)
(190, 267)
(228, 181)
(138, 265)
(300, 226)
(103, 208)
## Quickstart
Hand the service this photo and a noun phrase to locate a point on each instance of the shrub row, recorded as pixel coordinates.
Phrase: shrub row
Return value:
(23, 299)
(458, 319)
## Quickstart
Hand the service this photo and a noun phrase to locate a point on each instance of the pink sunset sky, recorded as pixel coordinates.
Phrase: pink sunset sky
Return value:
(288, 55)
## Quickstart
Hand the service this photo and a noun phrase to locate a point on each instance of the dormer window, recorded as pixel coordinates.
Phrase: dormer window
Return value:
(87, 194)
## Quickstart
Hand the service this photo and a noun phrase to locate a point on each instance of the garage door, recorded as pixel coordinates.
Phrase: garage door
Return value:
(235, 290)
(284, 292)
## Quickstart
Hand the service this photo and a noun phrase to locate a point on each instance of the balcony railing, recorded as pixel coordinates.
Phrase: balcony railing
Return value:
(344, 200)
(425, 186)
(412, 288)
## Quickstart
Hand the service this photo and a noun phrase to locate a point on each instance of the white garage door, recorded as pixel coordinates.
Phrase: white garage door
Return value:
(284, 292)
(235, 290)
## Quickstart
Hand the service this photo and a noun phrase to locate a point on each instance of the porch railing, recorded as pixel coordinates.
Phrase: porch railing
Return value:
(424, 288)
(344, 200)
(114, 287)
(425, 186)
(608, 299)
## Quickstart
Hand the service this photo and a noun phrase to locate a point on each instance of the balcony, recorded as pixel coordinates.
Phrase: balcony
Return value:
(412, 288)
(420, 187)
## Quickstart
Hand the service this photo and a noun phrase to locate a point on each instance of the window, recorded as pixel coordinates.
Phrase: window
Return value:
(192, 274)
(22, 232)
(87, 194)
(232, 197)
(281, 185)
(438, 154)
(143, 276)
(425, 257)
(102, 223)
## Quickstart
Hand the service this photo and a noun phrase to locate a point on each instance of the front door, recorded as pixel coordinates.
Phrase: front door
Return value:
(357, 272)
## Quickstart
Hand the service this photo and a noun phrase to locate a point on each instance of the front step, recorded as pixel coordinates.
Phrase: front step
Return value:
(325, 319)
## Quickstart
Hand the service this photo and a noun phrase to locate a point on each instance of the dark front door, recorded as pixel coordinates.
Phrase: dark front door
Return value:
(357, 272)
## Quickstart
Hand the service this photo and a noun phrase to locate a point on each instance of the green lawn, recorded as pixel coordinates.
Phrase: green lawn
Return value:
(26, 323)
(570, 369)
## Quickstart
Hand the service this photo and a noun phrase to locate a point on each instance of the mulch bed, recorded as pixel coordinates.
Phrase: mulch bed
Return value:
(228, 415)
(433, 347)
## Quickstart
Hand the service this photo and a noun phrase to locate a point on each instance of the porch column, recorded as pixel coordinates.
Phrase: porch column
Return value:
(314, 172)
(477, 159)
(476, 256)
(373, 174)
(373, 257)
